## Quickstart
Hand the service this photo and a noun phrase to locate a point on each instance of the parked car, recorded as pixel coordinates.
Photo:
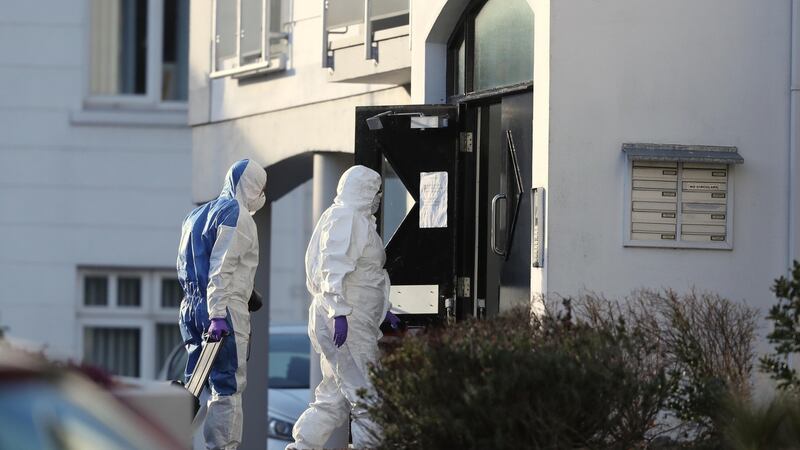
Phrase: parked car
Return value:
(45, 406)
(289, 366)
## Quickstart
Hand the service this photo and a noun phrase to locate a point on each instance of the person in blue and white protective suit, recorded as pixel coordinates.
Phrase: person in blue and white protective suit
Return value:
(217, 261)
(350, 288)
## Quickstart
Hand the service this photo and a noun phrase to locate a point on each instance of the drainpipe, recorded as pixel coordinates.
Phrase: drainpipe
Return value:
(794, 140)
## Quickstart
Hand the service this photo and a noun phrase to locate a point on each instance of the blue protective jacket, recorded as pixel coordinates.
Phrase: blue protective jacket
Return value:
(217, 260)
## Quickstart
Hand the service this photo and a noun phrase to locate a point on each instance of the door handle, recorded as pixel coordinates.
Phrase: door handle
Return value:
(494, 225)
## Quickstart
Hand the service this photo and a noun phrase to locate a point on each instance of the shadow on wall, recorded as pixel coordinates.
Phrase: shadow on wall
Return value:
(288, 174)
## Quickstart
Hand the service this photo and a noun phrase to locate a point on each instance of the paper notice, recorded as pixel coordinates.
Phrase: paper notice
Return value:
(433, 200)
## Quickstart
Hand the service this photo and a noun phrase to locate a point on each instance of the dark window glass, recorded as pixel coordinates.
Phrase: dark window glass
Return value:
(114, 349)
(171, 293)
(119, 47)
(168, 336)
(95, 291)
(175, 56)
(129, 291)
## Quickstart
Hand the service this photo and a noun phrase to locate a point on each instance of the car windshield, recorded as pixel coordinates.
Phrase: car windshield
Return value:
(59, 415)
(288, 361)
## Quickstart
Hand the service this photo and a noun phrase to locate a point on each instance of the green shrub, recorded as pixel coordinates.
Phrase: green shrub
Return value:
(785, 316)
(774, 425)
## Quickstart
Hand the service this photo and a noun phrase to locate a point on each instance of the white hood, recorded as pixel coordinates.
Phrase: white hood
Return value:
(357, 188)
(246, 181)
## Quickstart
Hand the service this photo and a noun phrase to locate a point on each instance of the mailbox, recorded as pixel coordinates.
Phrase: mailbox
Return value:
(679, 196)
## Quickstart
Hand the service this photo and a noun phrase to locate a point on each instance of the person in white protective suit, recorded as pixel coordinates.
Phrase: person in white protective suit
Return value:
(350, 288)
(217, 261)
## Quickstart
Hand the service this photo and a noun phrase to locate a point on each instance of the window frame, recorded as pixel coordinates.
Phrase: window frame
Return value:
(268, 63)
(145, 318)
(146, 338)
(127, 103)
(158, 306)
(365, 33)
(465, 28)
(678, 243)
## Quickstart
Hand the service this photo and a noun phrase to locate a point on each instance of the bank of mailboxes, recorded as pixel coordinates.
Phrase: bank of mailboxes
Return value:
(679, 201)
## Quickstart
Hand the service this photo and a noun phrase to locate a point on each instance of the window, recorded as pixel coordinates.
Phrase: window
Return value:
(115, 349)
(492, 48)
(171, 293)
(95, 291)
(128, 319)
(248, 37)
(129, 291)
(396, 202)
(168, 336)
(345, 25)
(680, 196)
(139, 52)
(175, 53)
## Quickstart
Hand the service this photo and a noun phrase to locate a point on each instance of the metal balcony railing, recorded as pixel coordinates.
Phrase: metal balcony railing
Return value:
(369, 16)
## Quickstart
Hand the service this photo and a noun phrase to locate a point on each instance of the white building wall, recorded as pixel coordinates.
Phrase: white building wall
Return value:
(73, 195)
(713, 72)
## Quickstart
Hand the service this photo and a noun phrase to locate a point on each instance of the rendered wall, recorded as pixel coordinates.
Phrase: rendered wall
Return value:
(712, 72)
(73, 194)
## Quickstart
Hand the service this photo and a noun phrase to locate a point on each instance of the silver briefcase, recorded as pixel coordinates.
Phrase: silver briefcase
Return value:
(203, 367)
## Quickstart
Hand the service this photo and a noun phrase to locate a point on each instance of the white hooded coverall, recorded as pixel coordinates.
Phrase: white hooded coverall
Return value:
(345, 275)
(217, 261)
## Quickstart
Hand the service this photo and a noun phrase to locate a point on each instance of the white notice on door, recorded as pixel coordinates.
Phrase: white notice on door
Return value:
(433, 200)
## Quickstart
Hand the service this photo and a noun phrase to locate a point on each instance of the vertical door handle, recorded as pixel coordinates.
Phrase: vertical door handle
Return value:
(497, 251)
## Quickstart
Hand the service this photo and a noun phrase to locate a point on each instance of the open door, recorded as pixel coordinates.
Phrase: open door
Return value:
(415, 149)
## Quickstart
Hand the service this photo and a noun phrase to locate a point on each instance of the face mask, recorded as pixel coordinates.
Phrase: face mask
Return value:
(257, 204)
(376, 203)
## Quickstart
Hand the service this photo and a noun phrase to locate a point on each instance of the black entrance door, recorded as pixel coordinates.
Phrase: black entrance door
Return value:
(502, 128)
(415, 148)
(476, 259)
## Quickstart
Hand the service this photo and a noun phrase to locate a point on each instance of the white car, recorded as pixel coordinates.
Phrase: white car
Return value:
(288, 379)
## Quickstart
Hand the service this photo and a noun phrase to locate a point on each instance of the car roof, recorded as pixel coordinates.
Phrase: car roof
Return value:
(17, 359)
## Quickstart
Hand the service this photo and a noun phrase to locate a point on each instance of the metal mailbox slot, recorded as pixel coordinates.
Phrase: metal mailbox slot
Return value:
(654, 206)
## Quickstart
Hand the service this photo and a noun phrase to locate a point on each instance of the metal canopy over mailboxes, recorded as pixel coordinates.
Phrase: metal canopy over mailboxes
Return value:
(682, 153)
(679, 195)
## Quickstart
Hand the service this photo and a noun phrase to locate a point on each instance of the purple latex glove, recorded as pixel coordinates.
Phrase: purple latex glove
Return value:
(393, 320)
(339, 330)
(217, 329)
